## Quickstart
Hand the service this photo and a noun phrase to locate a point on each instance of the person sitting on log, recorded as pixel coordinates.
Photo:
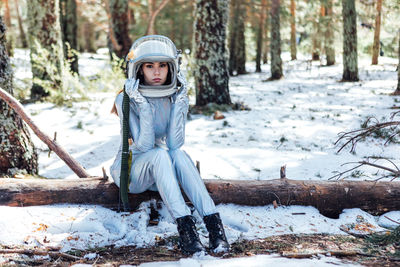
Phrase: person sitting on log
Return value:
(158, 106)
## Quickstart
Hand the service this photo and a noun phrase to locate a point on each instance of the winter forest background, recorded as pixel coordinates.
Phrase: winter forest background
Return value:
(217, 36)
(272, 83)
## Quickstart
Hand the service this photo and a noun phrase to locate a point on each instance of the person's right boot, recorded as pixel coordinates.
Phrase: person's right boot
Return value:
(189, 240)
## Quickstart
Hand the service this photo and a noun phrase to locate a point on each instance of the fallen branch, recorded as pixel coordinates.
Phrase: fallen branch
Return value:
(336, 253)
(53, 254)
(353, 137)
(329, 197)
(395, 173)
(64, 155)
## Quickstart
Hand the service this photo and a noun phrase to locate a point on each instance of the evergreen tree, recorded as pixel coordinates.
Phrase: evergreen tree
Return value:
(350, 61)
(24, 42)
(329, 33)
(260, 34)
(209, 52)
(237, 47)
(69, 27)
(119, 16)
(17, 152)
(397, 92)
(375, 47)
(316, 37)
(293, 49)
(46, 52)
(276, 61)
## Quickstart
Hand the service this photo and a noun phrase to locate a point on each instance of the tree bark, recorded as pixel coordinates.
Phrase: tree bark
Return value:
(46, 52)
(276, 61)
(329, 33)
(210, 55)
(329, 197)
(375, 47)
(397, 91)
(316, 38)
(237, 47)
(293, 49)
(71, 162)
(7, 15)
(69, 26)
(22, 34)
(119, 16)
(17, 153)
(350, 61)
(266, 44)
(260, 36)
(7, 20)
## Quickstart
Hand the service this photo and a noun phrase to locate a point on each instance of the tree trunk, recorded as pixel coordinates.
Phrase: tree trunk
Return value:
(237, 49)
(260, 35)
(22, 34)
(7, 15)
(153, 15)
(316, 38)
(17, 153)
(7, 21)
(293, 49)
(266, 39)
(119, 17)
(375, 47)
(46, 50)
(276, 61)
(350, 61)
(397, 91)
(329, 197)
(69, 28)
(329, 33)
(210, 55)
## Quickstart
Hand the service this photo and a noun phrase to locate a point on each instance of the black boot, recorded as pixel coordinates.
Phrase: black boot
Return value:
(189, 240)
(217, 238)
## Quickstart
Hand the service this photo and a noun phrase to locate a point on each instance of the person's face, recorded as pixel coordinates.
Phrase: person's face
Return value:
(155, 73)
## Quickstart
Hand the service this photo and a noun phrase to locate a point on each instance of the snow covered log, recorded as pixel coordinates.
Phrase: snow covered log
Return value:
(329, 197)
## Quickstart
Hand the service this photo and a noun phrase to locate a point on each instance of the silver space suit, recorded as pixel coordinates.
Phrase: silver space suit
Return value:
(157, 127)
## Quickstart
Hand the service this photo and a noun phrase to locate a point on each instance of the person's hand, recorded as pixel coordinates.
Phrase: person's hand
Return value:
(182, 93)
(132, 90)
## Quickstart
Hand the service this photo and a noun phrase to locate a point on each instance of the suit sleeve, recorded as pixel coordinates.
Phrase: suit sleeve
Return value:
(140, 124)
(176, 127)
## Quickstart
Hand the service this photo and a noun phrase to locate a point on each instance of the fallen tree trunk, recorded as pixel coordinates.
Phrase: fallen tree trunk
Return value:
(329, 197)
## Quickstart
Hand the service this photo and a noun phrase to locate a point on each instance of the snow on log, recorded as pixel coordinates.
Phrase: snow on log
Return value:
(329, 197)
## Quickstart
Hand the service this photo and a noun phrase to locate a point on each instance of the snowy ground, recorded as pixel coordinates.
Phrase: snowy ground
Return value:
(294, 121)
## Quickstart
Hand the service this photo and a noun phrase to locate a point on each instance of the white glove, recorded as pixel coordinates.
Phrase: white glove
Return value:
(182, 94)
(132, 90)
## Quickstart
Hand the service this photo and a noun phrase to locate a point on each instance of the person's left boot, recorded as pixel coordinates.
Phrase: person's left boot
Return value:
(217, 238)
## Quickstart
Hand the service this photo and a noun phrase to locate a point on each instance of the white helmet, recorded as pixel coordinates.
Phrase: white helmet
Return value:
(154, 48)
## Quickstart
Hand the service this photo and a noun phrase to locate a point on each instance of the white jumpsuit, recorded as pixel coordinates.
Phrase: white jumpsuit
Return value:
(157, 128)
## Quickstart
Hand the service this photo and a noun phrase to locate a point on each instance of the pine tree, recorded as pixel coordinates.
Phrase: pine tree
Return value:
(209, 52)
(375, 47)
(17, 152)
(237, 47)
(276, 61)
(329, 33)
(350, 61)
(397, 91)
(69, 32)
(293, 49)
(22, 34)
(119, 16)
(261, 34)
(46, 52)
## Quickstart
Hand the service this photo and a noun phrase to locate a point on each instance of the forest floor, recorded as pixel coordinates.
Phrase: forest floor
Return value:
(348, 249)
